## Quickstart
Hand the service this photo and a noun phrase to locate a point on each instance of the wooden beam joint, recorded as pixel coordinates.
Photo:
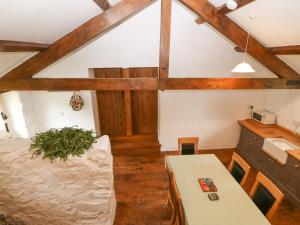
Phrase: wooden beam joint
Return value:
(21, 46)
(223, 10)
(103, 4)
(285, 50)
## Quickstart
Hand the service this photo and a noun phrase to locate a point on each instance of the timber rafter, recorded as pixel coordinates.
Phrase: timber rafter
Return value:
(285, 50)
(21, 46)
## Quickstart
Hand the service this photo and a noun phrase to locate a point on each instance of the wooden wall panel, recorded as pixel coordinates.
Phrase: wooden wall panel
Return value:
(111, 105)
(144, 104)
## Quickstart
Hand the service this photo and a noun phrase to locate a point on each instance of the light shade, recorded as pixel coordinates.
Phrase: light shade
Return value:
(231, 4)
(243, 68)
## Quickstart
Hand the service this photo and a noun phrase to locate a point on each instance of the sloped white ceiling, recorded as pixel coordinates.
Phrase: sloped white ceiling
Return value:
(8, 60)
(276, 22)
(198, 50)
(43, 20)
(46, 21)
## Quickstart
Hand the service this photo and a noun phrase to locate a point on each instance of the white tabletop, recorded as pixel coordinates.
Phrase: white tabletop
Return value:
(234, 206)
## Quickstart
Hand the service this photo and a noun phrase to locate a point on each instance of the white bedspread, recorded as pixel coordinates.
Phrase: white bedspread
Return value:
(77, 192)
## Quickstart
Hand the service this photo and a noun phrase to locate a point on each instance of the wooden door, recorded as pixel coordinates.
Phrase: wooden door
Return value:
(144, 104)
(111, 106)
(127, 113)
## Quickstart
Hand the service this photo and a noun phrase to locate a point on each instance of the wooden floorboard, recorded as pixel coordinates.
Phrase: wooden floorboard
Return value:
(142, 189)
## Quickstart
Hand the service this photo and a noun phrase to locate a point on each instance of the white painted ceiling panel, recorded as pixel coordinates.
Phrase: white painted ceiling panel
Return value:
(293, 61)
(200, 51)
(43, 20)
(7, 60)
(276, 22)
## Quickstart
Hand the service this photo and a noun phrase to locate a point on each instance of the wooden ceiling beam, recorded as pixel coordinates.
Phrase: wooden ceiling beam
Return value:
(227, 83)
(238, 49)
(21, 46)
(199, 20)
(71, 84)
(74, 84)
(165, 33)
(282, 50)
(103, 4)
(224, 10)
(79, 37)
(285, 50)
(239, 36)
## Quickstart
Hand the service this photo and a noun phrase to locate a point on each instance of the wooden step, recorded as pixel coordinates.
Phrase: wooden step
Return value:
(136, 144)
(130, 145)
(135, 138)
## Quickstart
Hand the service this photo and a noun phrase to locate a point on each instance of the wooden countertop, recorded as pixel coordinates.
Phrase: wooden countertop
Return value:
(274, 131)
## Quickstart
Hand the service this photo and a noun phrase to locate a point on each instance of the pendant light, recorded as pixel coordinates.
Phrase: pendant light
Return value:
(231, 4)
(245, 67)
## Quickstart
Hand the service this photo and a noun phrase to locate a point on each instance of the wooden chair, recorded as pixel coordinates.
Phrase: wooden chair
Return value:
(171, 196)
(239, 169)
(180, 217)
(188, 145)
(266, 195)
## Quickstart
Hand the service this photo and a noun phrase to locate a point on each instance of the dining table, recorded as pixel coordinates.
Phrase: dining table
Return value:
(234, 206)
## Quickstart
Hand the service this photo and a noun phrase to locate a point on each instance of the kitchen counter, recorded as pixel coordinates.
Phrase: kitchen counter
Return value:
(274, 131)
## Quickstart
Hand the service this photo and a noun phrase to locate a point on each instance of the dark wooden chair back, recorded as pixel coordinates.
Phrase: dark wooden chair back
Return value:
(171, 197)
(266, 195)
(239, 169)
(180, 217)
(171, 188)
(188, 145)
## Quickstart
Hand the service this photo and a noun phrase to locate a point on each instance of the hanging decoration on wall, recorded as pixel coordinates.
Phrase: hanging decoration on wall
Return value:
(76, 102)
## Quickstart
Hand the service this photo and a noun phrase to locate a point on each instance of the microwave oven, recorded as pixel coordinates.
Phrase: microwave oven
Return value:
(264, 116)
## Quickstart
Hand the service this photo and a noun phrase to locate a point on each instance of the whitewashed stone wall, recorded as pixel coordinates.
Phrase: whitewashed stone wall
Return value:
(77, 192)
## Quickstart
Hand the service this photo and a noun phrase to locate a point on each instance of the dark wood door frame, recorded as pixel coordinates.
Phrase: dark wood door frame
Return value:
(135, 102)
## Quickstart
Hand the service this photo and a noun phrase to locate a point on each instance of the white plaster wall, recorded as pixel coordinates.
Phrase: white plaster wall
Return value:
(2, 126)
(52, 110)
(29, 114)
(286, 104)
(13, 108)
(210, 115)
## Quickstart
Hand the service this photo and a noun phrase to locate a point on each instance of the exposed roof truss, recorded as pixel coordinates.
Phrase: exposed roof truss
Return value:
(113, 16)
